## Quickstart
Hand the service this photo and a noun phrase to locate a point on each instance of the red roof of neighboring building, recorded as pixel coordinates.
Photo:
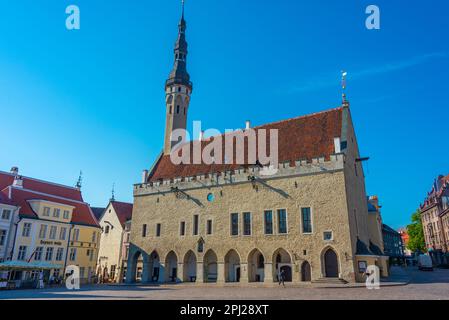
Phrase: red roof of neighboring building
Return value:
(5, 200)
(7, 179)
(123, 210)
(305, 137)
(81, 212)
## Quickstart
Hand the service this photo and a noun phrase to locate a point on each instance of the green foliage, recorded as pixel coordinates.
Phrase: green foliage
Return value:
(416, 235)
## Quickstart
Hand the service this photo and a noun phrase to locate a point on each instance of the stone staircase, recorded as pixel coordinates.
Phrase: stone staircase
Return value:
(330, 281)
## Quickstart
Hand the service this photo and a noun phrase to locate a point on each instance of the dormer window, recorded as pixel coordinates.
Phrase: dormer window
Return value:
(66, 214)
(46, 212)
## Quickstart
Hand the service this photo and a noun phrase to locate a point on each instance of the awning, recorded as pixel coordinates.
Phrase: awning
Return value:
(23, 265)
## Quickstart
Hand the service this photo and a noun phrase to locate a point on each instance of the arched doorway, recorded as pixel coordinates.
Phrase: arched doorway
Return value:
(189, 268)
(256, 266)
(282, 263)
(330, 264)
(138, 267)
(155, 268)
(171, 267)
(210, 266)
(232, 266)
(306, 273)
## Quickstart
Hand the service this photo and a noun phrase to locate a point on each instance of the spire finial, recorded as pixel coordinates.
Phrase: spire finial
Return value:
(182, 3)
(344, 74)
(113, 192)
(80, 180)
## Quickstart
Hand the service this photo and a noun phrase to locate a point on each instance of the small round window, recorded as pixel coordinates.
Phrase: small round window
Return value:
(210, 197)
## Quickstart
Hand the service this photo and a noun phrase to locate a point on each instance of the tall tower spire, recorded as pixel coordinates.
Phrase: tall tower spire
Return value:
(177, 88)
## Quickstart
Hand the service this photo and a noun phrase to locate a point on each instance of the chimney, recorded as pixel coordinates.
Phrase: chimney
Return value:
(247, 124)
(144, 176)
(15, 171)
(18, 181)
(337, 145)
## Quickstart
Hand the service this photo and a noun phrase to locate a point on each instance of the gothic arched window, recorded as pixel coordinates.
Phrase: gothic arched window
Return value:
(260, 261)
(177, 109)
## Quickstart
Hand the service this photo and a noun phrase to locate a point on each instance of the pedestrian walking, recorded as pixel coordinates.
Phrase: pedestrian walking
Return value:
(281, 277)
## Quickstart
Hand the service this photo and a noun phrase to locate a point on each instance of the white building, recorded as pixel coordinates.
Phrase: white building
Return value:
(112, 255)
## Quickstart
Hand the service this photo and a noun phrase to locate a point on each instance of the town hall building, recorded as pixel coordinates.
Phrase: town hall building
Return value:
(228, 222)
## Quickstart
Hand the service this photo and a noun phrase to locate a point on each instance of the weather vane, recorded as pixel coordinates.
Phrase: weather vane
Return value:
(113, 192)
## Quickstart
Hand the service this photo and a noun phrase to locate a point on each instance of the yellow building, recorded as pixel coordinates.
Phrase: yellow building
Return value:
(53, 226)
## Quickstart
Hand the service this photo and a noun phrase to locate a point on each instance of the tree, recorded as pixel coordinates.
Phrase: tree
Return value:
(415, 231)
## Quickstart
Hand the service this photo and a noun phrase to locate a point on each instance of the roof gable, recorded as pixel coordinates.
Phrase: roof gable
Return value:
(123, 210)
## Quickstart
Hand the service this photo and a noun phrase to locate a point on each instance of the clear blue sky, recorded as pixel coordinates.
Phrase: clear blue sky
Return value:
(93, 99)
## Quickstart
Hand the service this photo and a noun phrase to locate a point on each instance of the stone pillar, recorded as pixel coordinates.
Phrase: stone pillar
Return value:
(221, 278)
(161, 272)
(180, 272)
(146, 268)
(296, 272)
(199, 272)
(268, 276)
(244, 273)
(131, 271)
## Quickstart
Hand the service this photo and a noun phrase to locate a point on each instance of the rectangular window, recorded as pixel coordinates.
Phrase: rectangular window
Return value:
(26, 230)
(22, 253)
(38, 253)
(59, 254)
(49, 254)
(76, 234)
(53, 232)
(234, 224)
(282, 221)
(56, 213)
(2, 237)
(94, 236)
(82, 271)
(91, 257)
(6, 214)
(43, 231)
(46, 212)
(72, 254)
(66, 214)
(209, 227)
(306, 219)
(246, 223)
(268, 220)
(195, 224)
(328, 236)
(158, 230)
(144, 230)
(182, 230)
(62, 233)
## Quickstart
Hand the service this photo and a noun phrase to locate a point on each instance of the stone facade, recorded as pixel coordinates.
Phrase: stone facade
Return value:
(435, 220)
(209, 223)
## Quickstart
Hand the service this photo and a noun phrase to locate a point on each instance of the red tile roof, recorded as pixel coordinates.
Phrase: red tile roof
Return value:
(124, 211)
(5, 200)
(7, 179)
(81, 213)
(305, 137)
